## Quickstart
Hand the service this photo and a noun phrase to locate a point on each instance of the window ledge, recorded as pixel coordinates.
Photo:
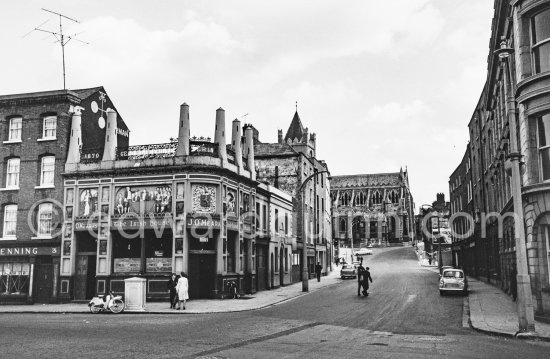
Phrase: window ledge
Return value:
(10, 238)
(46, 139)
(10, 189)
(50, 186)
(12, 141)
(42, 237)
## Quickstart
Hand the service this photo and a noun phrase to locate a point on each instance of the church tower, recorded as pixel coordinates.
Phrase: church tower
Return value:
(299, 138)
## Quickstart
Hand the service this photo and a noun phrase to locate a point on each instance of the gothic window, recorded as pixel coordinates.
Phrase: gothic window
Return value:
(343, 225)
(360, 199)
(376, 197)
(345, 199)
(393, 197)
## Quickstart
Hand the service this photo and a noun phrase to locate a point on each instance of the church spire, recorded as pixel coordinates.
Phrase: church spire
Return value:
(296, 129)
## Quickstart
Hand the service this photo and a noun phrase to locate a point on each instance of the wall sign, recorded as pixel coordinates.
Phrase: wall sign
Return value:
(29, 251)
(203, 222)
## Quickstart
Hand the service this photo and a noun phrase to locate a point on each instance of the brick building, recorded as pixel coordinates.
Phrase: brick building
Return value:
(517, 91)
(35, 130)
(286, 165)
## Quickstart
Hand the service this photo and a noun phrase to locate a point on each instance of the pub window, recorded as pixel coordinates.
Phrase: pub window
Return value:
(231, 254)
(45, 219)
(286, 223)
(543, 125)
(16, 124)
(12, 176)
(540, 41)
(49, 127)
(10, 221)
(14, 278)
(276, 220)
(47, 170)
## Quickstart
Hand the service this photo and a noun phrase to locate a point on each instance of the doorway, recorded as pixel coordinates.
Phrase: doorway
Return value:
(202, 275)
(43, 282)
(84, 285)
(261, 266)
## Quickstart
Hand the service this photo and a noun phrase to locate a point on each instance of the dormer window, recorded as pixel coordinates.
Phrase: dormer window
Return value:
(16, 124)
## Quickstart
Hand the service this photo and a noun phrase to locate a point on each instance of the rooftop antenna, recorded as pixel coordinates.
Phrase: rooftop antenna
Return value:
(61, 38)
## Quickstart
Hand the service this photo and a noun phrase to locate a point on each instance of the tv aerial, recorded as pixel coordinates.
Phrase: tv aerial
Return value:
(61, 38)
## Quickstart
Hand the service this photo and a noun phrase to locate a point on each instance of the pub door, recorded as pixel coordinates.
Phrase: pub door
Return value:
(43, 282)
(84, 281)
(202, 275)
(261, 267)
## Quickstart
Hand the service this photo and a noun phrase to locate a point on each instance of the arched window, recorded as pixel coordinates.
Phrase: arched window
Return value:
(394, 197)
(360, 199)
(376, 197)
(345, 199)
(343, 225)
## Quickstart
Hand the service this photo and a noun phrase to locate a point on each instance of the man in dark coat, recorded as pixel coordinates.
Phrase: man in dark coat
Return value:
(318, 270)
(366, 278)
(172, 288)
(360, 279)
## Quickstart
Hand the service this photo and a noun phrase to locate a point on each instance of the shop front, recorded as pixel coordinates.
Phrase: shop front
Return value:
(29, 273)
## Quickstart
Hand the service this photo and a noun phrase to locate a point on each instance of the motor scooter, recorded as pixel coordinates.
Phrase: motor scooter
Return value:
(104, 303)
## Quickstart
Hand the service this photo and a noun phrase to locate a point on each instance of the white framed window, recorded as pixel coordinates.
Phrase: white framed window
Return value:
(47, 171)
(10, 221)
(45, 219)
(540, 41)
(50, 127)
(543, 126)
(12, 178)
(16, 124)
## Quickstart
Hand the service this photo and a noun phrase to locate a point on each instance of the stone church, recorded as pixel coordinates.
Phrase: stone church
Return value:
(372, 209)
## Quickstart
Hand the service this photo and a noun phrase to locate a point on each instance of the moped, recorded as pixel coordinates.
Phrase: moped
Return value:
(103, 303)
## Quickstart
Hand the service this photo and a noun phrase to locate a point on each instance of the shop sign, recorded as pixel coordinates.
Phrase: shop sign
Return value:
(233, 226)
(158, 265)
(126, 265)
(29, 251)
(86, 225)
(137, 223)
(203, 222)
(203, 239)
(247, 228)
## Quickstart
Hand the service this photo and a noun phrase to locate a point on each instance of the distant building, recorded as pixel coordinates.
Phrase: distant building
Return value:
(286, 165)
(372, 209)
(35, 130)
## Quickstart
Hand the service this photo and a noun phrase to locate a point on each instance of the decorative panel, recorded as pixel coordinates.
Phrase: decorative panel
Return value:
(204, 198)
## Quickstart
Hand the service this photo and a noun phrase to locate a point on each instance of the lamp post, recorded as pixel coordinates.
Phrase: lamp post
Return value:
(526, 316)
(305, 275)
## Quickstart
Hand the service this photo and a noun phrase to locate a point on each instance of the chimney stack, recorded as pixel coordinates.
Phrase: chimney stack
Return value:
(184, 131)
(249, 148)
(75, 140)
(219, 134)
(280, 135)
(236, 143)
(109, 153)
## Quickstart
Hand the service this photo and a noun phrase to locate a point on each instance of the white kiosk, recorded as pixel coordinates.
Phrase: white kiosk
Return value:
(135, 294)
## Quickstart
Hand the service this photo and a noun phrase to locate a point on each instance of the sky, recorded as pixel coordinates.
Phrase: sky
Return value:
(383, 84)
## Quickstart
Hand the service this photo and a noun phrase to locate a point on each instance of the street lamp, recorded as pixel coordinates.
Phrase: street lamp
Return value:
(305, 276)
(526, 316)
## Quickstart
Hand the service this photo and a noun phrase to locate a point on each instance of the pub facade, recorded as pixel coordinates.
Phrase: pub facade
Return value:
(152, 210)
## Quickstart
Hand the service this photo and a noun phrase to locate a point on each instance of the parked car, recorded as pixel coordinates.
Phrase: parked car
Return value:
(348, 271)
(363, 252)
(453, 280)
(443, 268)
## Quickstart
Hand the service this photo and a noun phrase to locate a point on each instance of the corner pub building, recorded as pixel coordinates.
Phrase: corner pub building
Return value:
(152, 210)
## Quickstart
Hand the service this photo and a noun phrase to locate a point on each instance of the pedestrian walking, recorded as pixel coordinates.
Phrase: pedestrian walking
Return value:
(360, 279)
(366, 278)
(172, 283)
(337, 261)
(183, 290)
(514, 284)
(318, 270)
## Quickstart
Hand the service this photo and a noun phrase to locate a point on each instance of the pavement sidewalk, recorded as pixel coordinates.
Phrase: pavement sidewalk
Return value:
(493, 311)
(258, 300)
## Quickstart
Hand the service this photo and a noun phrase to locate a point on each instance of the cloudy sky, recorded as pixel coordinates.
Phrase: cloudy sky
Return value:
(383, 84)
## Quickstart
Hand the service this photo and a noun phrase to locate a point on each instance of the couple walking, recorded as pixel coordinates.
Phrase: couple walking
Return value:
(363, 278)
(179, 290)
